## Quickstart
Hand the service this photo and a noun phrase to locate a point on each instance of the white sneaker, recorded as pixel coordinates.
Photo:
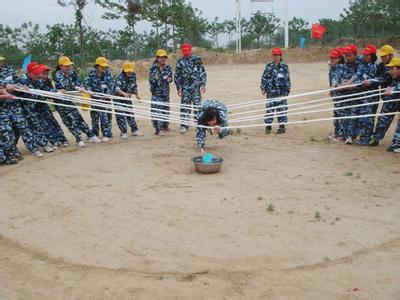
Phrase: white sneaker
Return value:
(106, 139)
(124, 136)
(397, 150)
(55, 147)
(349, 141)
(38, 154)
(137, 133)
(65, 144)
(48, 149)
(161, 133)
(183, 130)
(94, 139)
(81, 144)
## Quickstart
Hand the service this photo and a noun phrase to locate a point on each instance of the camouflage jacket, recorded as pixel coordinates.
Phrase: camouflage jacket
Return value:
(223, 116)
(190, 73)
(275, 81)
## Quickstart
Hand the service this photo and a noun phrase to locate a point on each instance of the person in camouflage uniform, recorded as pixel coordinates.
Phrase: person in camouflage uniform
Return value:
(355, 69)
(160, 77)
(190, 80)
(7, 137)
(99, 80)
(66, 79)
(337, 70)
(36, 124)
(12, 116)
(364, 127)
(275, 82)
(385, 80)
(394, 92)
(212, 114)
(125, 85)
(52, 128)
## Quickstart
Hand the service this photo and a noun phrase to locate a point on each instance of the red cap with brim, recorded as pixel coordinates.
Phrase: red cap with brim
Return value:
(369, 50)
(186, 49)
(336, 53)
(44, 68)
(276, 51)
(30, 66)
(37, 69)
(350, 49)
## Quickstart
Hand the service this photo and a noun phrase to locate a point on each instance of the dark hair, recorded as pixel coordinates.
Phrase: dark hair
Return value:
(374, 58)
(342, 60)
(208, 115)
(55, 71)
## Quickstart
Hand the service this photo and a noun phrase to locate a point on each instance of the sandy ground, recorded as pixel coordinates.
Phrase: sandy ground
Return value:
(132, 220)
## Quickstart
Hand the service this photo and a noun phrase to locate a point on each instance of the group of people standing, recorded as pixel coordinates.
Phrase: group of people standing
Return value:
(35, 123)
(355, 80)
(349, 75)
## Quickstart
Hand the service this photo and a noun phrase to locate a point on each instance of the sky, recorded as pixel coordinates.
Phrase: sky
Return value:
(43, 12)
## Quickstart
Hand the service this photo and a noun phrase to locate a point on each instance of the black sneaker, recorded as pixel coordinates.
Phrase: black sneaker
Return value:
(373, 142)
(391, 149)
(268, 130)
(281, 130)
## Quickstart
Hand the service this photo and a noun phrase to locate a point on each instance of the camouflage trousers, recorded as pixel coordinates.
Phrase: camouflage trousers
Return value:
(383, 123)
(128, 117)
(35, 123)
(276, 107)
(189, 98)
(364, 126)
(52, 128)
(73, 120)
(160, 110)
(13, 121)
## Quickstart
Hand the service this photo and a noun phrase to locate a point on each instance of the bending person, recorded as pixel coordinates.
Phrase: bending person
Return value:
(211, 114)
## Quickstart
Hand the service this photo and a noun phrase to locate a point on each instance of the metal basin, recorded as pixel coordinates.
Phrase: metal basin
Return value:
(207, 168)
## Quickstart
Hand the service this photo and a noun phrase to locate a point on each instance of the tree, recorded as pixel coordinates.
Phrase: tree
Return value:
(79, 6)
(130, 10)
(262, 28)
(298, 28)
(215, 28)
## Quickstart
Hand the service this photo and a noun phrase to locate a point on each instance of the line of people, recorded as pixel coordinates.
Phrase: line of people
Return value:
(351, 75)
(35, 124)
(347, 69)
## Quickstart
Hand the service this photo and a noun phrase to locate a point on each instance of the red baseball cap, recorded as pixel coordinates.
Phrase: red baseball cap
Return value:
(37, 69)
(277, 51)
(350, 49)
(30, 66)
(336, 53)
(44, 67)
(369, 49)
(186, 49)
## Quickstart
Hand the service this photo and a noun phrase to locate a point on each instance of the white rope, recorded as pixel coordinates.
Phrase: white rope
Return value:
(229, 127)
(139, 116)
(313, 111)
(93, 100)
(304, 102)
(178, 105)
(108, 105)
(276, 99)
(314, 120)
(289, 112)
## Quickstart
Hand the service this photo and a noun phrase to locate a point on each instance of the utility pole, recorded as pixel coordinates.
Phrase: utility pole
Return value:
(286, 24)
(238, 28)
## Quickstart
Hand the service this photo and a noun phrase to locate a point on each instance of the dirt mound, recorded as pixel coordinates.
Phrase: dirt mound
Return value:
(257, 56)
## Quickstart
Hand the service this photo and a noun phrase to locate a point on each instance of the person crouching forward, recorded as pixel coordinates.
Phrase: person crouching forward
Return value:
(275, 83)
(211, 114)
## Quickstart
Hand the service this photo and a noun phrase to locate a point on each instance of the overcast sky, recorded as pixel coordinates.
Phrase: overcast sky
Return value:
(15, 12)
